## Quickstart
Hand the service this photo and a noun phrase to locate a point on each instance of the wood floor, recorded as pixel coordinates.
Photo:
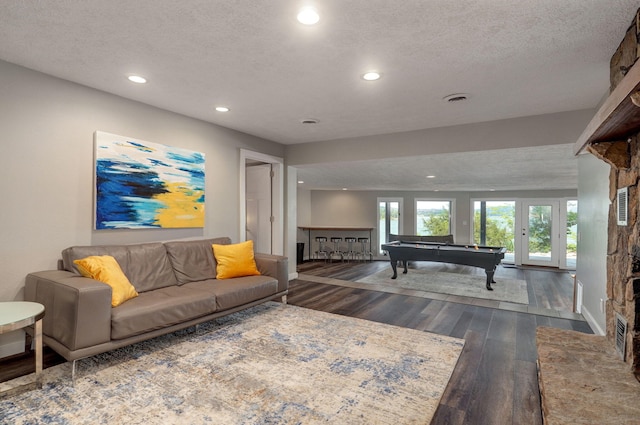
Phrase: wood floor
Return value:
(495, 381)
(547, 288)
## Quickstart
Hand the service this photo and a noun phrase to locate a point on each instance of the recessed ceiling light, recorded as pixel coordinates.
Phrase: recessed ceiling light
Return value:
(344, 188)
(431, 177)
(456, 97)
(371, 76)
(300, 181)
(309, 121)
(222, 109)
(308, 16)
(137, 79)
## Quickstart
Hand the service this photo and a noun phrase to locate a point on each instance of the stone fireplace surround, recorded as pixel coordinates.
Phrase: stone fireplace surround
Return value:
(623, 155)
(623, 249)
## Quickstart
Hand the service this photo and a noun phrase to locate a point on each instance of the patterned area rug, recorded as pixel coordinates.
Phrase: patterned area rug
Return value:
(510, 290)
(272, 364)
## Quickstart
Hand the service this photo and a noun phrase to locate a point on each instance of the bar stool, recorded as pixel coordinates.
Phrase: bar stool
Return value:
(322, 248)
(336, 248)
(351, 252)
(364, 249)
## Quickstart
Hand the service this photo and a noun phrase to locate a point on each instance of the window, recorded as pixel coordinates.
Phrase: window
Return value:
(389, 222)
(572, 234)
(433, 217)
(494, 225)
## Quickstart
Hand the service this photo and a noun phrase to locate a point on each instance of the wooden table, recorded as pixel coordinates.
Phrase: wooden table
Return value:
(15, 315)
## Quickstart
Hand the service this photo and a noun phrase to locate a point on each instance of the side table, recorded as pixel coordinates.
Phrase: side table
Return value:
(16, 315)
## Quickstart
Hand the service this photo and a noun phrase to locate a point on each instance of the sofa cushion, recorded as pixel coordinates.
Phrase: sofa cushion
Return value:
(234, 292)
(160, 308)
(105, 268)
(193, 261)
(235, 260)
(146, 265)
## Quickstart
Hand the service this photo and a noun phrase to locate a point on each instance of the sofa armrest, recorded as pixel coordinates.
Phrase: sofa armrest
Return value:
(77, 309)
(275, 266)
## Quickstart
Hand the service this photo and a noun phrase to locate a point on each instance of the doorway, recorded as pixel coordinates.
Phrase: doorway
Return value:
(389, 220)
(262, 201)
(494, 224)
(259, 228)
(540, 232)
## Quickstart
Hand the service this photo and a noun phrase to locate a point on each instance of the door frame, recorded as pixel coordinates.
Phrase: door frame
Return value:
(258, 186)
(522, 218)
(277, 197)
(562, 232)
(386, 200)
(516, 222)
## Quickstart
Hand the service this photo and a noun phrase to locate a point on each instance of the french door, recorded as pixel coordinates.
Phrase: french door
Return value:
(535, 231)
(389, 220)
(539, 228)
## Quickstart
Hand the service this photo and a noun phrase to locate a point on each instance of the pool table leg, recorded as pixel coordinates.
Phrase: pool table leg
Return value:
(490, 279)
(394, 267)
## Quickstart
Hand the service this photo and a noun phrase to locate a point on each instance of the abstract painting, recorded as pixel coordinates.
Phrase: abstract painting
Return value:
(147, 185)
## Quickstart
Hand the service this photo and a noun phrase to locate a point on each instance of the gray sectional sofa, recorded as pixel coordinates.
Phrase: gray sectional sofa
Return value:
(177, 287)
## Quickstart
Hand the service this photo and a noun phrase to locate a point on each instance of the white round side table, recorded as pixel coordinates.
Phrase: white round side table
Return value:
(16, 315)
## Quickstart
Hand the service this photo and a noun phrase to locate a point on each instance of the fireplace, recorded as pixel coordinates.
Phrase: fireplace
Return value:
(613, 136)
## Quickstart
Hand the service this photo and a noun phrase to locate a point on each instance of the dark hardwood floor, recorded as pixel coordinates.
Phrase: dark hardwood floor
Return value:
(548, 288)
(24, 364)
(495, 380)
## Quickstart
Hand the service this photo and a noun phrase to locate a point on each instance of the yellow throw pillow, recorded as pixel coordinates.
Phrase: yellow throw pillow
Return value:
(235, 260)
(106, 269)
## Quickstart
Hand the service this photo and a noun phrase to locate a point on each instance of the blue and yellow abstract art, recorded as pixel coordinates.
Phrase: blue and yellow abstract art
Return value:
(147, 185)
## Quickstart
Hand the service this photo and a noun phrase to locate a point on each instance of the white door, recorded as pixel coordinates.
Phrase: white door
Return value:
(540, 232)
(389, 220)
(258, 207)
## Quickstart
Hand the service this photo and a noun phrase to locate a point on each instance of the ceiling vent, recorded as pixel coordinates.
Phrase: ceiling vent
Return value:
(457, 97)
(621, 335)
(623, 205)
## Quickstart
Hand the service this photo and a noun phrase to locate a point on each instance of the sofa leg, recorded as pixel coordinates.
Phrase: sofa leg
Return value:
(73, 372)
(284, 299)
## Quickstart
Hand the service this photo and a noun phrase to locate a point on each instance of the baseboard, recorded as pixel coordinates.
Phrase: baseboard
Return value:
(595, 327)
(293, 275)
(12, 343)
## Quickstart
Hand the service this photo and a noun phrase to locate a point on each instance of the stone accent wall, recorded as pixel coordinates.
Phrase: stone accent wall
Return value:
(623, 249)
(623, 257)
(627, 53)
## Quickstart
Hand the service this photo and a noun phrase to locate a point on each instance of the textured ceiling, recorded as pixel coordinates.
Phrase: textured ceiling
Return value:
(544, 167)
(513, 58)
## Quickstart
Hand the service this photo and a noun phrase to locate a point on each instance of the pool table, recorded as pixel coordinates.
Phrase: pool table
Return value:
(486, 257)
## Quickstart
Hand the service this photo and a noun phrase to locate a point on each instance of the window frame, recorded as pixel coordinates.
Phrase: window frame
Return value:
(452, 212)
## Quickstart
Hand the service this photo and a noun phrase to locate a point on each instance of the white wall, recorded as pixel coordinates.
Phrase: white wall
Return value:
(593, 214)
(539, 130)
(46, 169)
